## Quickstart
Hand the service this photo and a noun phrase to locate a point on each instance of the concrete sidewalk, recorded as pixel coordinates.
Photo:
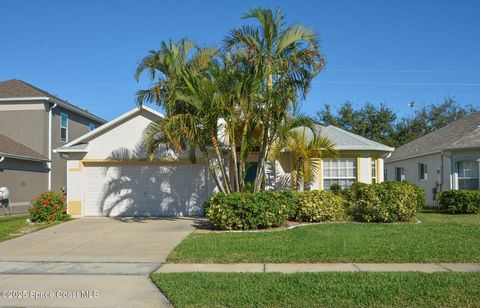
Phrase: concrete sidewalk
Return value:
(318, 267)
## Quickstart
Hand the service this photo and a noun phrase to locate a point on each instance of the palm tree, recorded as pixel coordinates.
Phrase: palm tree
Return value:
(284, 60)
(305, 152)
(164, 67)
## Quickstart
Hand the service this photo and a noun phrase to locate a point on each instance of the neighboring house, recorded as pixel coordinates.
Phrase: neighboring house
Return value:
(109, 173)
(32, 123)
(445, 159)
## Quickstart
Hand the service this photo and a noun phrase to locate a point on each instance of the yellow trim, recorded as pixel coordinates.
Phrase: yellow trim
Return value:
(79, 168)
(74, 207)
(378, 170)
(358, 168)
(138, 161)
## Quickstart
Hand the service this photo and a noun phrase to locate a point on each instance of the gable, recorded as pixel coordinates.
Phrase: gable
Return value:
(123, 140)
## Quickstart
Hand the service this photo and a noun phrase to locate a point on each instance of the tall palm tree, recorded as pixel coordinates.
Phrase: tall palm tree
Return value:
(305, 152)
(164, 68)
(284, 60)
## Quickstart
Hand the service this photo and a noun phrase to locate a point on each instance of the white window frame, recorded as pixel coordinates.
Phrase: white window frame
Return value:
(422, 176)
(90, 125)
(373, 169)
(457, 169)
(354, 177)
(64, 127)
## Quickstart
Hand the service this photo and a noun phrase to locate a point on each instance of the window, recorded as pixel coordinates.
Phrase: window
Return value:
(422, 172)
(91, 127)
(64, 127)
(467, 171)
(374, 170)
(339, 171)
(399, 174)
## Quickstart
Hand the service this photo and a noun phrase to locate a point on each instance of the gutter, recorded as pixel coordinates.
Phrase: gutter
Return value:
(5, 155)
(76, 110)
(49, 164)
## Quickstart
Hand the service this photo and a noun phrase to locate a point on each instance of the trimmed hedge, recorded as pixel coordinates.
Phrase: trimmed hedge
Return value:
(244, 211)
(384, 202)
(460, 201)
(316, 205)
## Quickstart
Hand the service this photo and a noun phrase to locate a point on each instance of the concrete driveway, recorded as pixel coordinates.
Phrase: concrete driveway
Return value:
(111, 258)
(100, 240)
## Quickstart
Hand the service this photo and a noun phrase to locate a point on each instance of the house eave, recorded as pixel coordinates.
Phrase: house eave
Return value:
(59, 103)
(23, 157)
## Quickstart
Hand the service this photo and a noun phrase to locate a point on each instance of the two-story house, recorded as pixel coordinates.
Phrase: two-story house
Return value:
(32, 123)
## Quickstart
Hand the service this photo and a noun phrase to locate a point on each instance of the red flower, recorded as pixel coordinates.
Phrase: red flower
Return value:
(44, 205)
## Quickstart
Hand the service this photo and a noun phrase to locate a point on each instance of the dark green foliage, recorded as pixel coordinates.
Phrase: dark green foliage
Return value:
(460, 201)
(384, 202)
(245, 211)
(316, 205)
(381, 123)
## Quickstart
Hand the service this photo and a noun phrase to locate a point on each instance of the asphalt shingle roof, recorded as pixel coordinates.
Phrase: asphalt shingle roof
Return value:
(18, 88)
(461, 134)
(347, 141)
(10, 147)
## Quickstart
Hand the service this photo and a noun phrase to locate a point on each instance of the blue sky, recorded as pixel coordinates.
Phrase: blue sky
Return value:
(377, 51)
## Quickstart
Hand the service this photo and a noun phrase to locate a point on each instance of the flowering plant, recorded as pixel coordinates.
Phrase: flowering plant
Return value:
(48, 207)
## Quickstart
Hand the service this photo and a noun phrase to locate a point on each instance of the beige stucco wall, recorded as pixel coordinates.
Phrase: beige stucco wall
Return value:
(283, 167)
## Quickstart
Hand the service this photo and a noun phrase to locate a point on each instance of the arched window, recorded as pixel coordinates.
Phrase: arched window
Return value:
(467, 171)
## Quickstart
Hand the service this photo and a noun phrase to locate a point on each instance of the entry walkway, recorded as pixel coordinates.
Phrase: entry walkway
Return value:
(318, 267)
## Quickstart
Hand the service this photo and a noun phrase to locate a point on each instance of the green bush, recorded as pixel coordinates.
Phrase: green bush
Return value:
(460, 201)
(48, 207)
(244, 211)
(316, 205)
(384, 202)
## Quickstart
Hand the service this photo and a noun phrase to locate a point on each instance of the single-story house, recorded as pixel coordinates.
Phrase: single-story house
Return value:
(108, 173)
(447, 158)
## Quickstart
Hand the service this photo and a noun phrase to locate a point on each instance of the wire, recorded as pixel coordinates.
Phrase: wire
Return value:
(395, 83)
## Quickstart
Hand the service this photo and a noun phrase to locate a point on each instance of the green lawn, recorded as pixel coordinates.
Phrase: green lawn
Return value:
(439, 238)
(10, 226)
(13, 226)
(320, 289)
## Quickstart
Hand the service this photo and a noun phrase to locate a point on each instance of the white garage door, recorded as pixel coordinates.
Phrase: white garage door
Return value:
(145, 189)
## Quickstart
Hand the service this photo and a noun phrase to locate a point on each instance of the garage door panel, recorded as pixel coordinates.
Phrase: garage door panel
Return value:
(145, 190)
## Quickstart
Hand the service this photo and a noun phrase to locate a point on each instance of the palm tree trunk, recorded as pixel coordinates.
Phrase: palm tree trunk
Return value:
(243, 155)
(213, 172)
(233, 150)
(221, 164)
(261, 161)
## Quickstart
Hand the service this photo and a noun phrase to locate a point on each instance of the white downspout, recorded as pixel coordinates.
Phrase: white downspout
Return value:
(49, 164)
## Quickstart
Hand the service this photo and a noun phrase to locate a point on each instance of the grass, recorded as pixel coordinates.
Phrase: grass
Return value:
(439, 238)
(320, 289)
(14, 226)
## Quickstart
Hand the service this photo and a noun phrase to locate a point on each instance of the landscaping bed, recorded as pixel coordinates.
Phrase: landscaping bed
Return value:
(320, 289)
(439, 238)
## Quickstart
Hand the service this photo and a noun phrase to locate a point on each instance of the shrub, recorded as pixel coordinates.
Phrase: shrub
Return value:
(460, 201)
(318, 205)
(384, 202)
(250, 210)
(48, 207)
